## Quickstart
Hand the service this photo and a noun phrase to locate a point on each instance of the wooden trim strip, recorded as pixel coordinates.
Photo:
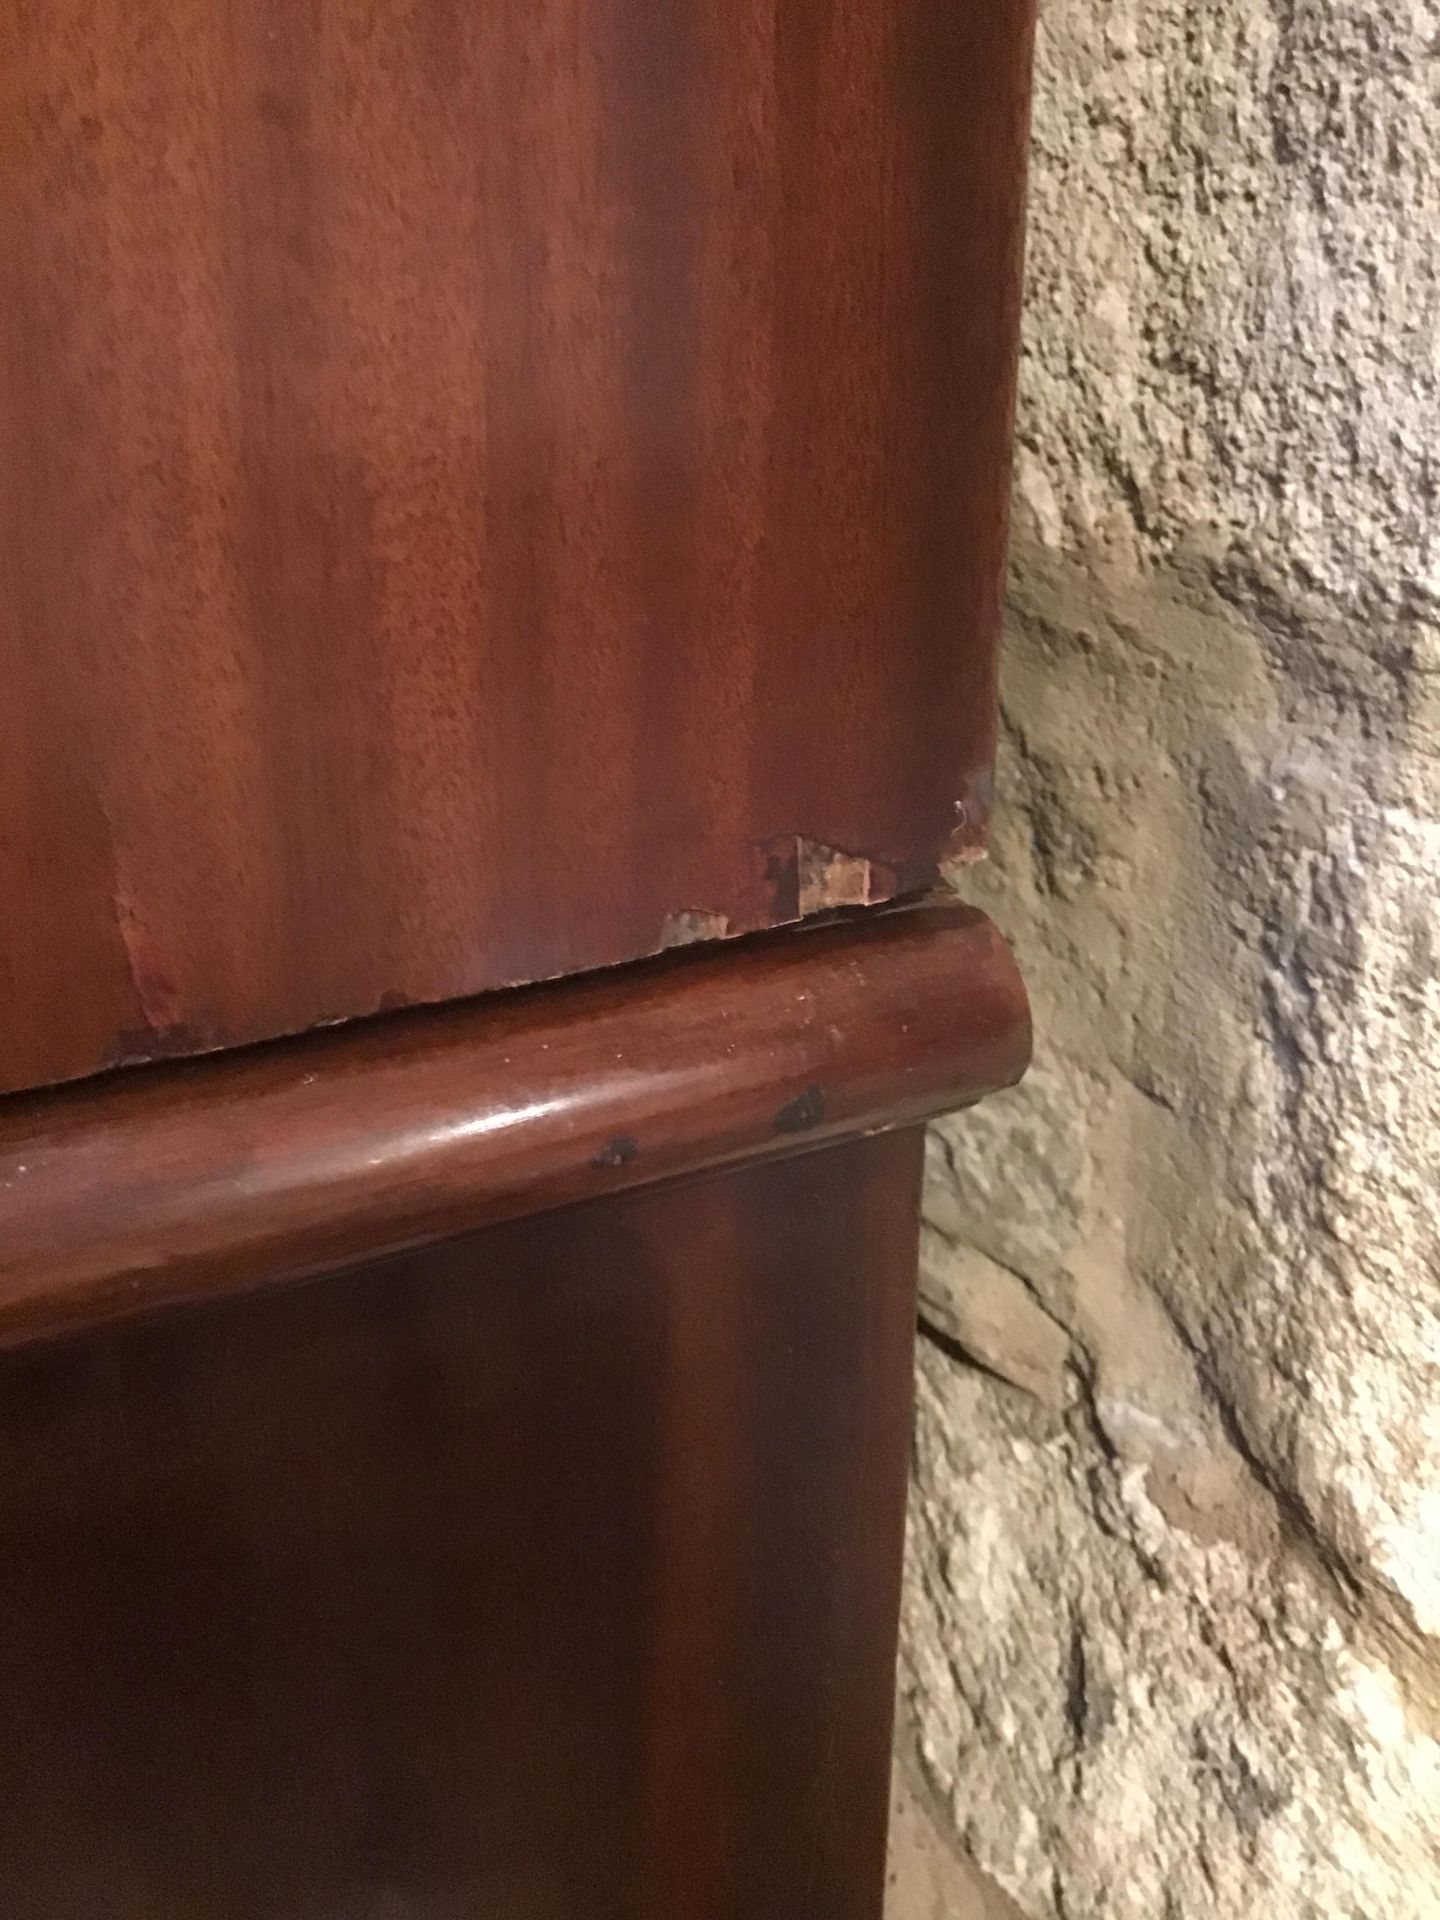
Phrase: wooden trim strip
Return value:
(159, 1186)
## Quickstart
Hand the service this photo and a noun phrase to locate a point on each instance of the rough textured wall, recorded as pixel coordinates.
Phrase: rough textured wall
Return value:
(1173, 1618)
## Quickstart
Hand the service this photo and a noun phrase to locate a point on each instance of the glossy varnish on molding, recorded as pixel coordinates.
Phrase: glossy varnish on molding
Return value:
(486, 490)
(190, 1182)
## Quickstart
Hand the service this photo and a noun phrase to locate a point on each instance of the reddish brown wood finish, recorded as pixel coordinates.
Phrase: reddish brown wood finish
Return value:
(549, 1574)
(480, 483)
(189, 1182)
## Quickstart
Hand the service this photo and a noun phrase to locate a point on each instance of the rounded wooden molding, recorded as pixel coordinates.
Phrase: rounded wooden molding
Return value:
(160, 1186)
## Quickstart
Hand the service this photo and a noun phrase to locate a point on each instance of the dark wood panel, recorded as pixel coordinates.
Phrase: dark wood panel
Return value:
(549, 1575)
(487, 490)
(193, 1181)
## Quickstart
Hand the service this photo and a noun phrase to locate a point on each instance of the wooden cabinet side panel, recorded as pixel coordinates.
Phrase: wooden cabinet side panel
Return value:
(486, 491)
(552, 1573)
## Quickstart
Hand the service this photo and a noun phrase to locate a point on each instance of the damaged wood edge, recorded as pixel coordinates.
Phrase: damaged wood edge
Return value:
(193, 1182)
(797, 878)
(792, 878)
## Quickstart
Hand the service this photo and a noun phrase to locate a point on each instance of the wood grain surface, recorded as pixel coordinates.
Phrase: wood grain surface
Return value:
(486, 490)
(550, 1574)
(193, 1181)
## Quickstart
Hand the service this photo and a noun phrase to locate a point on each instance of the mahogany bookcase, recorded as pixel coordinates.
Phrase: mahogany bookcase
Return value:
(503, 510)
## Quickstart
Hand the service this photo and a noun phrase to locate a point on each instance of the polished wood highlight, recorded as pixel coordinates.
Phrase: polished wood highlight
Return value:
(551, 1574)
(486, 489)
(189, 1182)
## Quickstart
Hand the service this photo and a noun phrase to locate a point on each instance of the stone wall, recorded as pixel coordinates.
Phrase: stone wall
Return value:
(1173, 1612)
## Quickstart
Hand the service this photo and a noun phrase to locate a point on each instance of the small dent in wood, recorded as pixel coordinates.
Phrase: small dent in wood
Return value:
(622, 1151)
(803, 1113)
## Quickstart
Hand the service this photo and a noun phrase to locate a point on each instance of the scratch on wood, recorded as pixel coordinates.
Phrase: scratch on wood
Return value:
(155, 991)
